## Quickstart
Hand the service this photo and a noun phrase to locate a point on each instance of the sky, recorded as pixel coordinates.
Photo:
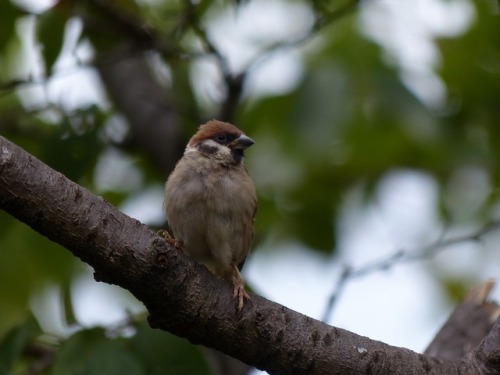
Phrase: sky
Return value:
(401, 306)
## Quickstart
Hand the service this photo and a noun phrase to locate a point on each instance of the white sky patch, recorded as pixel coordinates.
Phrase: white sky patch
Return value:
(207, 82)
(29, 66)
(76, 89)
(116, 171)
(402, 216)
(292, 276)
(393, 307)
(75, 84)
(101, 304)
(277, 75)
(35, 6)
(405, 203)
(47, 306)
(146, 206)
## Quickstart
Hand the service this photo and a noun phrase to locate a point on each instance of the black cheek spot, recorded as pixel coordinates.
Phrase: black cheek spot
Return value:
(207, 149)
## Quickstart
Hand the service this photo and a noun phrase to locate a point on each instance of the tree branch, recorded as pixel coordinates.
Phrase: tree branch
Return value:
(155, 126)
(468, 324)
(234, 82)
(154, 123)
(401, 256)
(184, 298)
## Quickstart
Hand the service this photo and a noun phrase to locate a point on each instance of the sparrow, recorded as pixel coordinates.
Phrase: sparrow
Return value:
(210, 202)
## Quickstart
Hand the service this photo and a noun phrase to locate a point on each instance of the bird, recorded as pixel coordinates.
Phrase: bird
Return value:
(211, 201)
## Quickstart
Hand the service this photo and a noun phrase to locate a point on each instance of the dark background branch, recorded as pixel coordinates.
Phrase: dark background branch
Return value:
(154, 123)
(467, 325)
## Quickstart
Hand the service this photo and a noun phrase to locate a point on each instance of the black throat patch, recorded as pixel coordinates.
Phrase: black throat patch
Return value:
(237, 155)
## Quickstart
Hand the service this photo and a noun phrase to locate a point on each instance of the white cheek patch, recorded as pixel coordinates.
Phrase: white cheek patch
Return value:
(212, 143)
(190, 149)
(223, 150)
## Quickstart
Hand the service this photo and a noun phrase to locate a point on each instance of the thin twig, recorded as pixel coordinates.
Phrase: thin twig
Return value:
(401, 256)
(202, 33)
(323, 18)
(235, 81)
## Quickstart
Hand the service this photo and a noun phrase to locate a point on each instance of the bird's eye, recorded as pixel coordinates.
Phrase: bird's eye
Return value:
(221, 137)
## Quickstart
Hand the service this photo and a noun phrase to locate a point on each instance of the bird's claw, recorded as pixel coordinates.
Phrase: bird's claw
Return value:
(240, 293)
(171, 240)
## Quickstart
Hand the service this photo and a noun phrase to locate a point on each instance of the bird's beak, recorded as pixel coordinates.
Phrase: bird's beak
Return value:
(242, 142)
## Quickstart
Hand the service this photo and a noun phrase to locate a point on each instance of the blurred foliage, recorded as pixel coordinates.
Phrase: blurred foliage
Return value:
(349, 120)
(14, 343)
(96, 351)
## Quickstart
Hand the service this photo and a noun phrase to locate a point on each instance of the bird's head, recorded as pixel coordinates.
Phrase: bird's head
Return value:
(220, 141)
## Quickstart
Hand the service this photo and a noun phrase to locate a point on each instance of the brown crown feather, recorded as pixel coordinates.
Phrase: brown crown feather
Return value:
(212, 128)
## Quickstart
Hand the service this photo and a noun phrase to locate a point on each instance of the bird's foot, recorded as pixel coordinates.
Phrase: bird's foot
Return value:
(171, 240)
(239, 291)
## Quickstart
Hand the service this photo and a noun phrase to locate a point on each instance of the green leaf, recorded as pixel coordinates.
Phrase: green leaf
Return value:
(51, 27)
(147, 352)
(14, 342)
(314, 226)
(91, 352)
(29, 262)
(74, 149)
(8, 19)
(163, 353)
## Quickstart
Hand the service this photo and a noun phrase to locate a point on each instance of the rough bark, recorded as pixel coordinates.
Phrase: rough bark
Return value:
(184, 298)
(469, 323)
